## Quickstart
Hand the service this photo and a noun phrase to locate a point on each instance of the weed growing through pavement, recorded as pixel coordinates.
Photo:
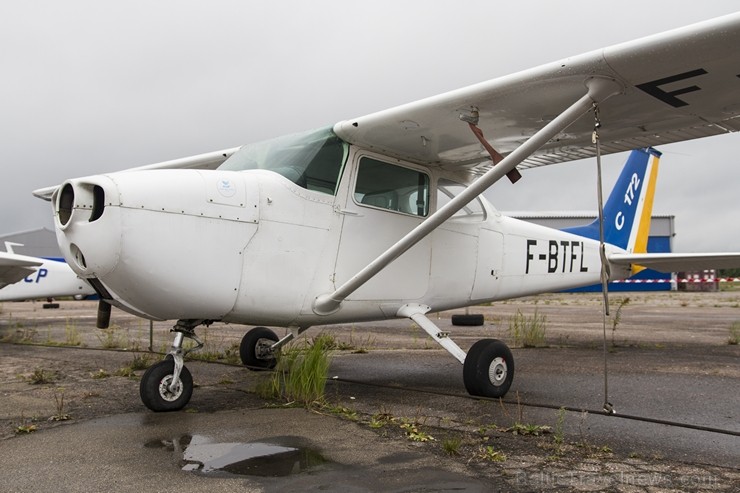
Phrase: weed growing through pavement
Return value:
(71, 334)
(21, 334)
(360, 346)
(734, 338)
(488, 453)
(25, 426)
(377, 422)
(380, 419)
(451, 446)
(559, 435)
(41, 376)
(341, 411)
(300, 374)
(231, 354)
(110, 338)
(140, 362)
(522, 428)
(529, 429)
(617, 317)
(528, 331)
(413, 431)
(99, 375)
(59, 403)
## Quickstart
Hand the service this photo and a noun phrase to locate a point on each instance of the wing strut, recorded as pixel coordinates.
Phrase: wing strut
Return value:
(599, 89)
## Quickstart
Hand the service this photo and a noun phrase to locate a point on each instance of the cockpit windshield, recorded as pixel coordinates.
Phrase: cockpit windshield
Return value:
(312, 160)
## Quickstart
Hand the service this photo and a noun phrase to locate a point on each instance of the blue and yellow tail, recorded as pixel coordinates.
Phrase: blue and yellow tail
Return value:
(628, 209)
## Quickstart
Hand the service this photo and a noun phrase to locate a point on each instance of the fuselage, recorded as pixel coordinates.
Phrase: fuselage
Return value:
(259, 245)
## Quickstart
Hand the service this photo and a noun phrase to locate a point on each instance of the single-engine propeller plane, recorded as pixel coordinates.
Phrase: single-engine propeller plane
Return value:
(382, 216)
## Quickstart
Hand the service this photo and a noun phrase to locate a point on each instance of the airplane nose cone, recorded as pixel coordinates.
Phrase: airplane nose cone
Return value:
(165, 244)
(86, 224)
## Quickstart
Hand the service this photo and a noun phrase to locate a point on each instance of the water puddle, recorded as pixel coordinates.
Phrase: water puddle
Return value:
(281, 456)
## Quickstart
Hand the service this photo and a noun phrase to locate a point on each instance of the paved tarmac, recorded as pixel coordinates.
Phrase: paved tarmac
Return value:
(379, 400)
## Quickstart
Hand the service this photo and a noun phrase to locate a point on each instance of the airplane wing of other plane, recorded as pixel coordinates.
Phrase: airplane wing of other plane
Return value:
(678, 262)
(14, 268)
(27, 278)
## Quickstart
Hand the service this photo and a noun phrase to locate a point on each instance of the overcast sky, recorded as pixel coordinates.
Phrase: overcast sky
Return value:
(88, 87)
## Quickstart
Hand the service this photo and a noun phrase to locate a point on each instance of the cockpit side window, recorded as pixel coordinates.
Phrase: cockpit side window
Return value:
(312, 160)
(392, 187)
(447, 190)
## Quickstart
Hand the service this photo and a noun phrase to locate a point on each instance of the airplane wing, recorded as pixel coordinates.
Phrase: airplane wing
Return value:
(209, 160)
(678, 262)
(676, 86)
(14, 268)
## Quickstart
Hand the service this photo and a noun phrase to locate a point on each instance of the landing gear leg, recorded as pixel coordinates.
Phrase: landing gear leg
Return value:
(488, 367)
(168, 385)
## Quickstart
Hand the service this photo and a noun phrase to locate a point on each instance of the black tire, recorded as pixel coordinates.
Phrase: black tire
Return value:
(489, 369)
(258, 336)
(470, 320)
(153, 387)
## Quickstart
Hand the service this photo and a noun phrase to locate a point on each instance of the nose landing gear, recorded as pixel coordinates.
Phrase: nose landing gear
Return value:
(168, 385)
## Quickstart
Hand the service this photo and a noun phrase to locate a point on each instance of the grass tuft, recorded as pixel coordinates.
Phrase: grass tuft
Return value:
(734, 338)
(41, 376)
(300, 374)
(528, 331)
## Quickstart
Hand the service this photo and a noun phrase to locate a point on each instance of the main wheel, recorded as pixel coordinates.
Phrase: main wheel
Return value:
(154, 387)
(488, 369)
(254, 349)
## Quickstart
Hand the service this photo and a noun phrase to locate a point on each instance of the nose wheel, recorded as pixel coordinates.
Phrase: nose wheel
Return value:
(160, 391)
(168, 385)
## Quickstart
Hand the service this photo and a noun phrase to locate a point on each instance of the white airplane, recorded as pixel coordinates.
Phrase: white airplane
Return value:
(381, 216)
(30, 278)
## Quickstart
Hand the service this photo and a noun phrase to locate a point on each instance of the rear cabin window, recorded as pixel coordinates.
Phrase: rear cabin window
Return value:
(391, 187)
(448, 190)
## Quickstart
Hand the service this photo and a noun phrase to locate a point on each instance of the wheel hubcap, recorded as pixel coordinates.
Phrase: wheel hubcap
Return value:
(166, 393)
(262, 349)
(497, 371)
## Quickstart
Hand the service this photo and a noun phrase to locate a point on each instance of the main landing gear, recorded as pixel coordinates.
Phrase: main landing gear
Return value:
(260, 346)
(488, 368)
(256, 350)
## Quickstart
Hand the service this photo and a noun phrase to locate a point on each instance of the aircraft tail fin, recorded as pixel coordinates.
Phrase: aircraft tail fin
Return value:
(628, 210)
